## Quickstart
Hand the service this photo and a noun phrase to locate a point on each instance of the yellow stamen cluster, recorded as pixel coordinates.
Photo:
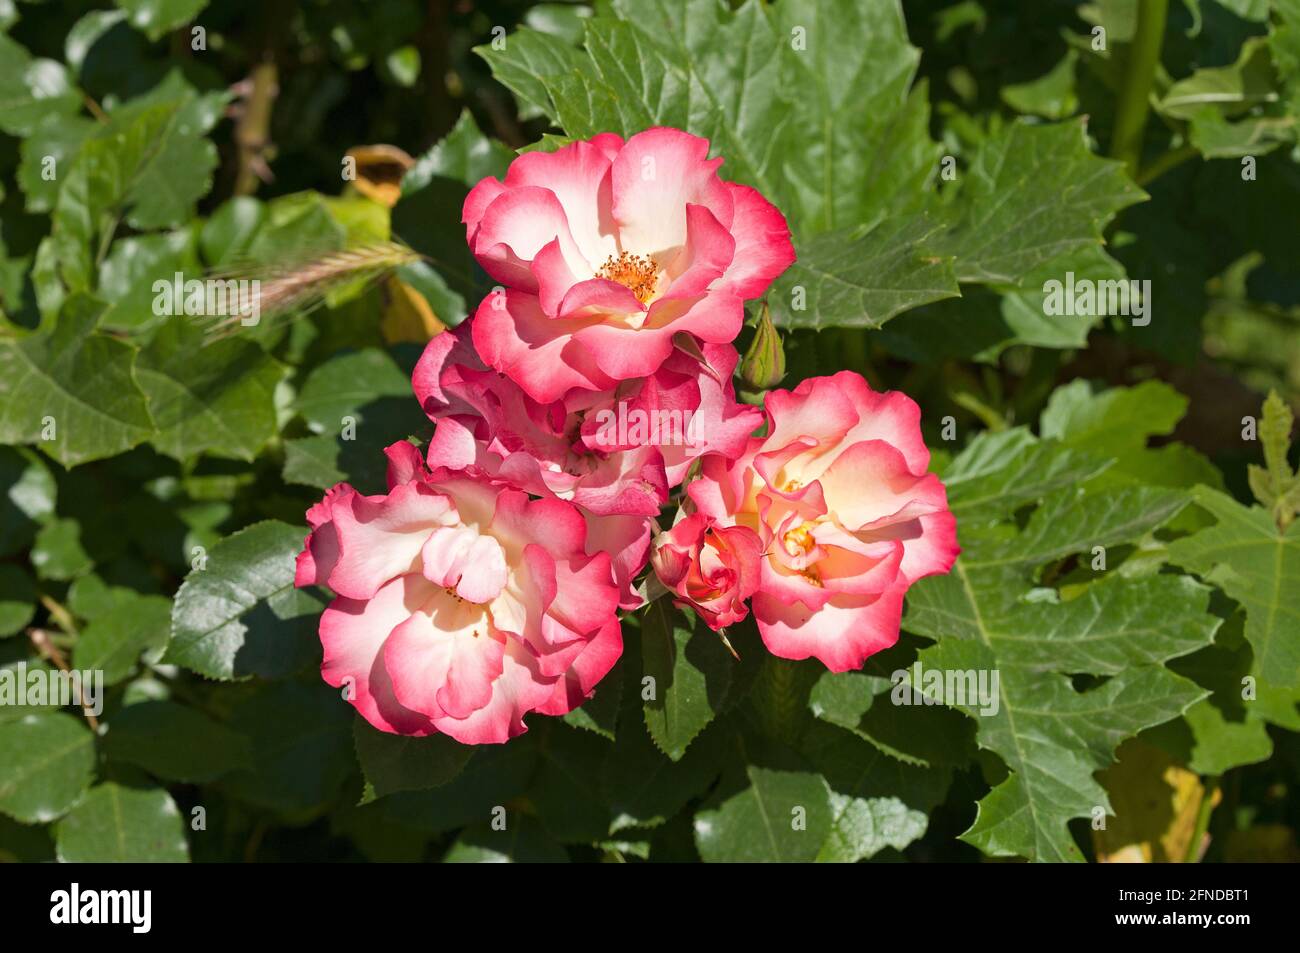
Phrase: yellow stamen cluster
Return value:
(801, 536)
(637, 273)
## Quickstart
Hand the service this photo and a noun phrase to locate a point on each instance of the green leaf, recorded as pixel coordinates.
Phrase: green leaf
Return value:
(321, 462)
(346, 384)
(1228, 729)
(89, 597)
(1025, 311)
(863, 278)
(1276, 479)
(1117, 423)
(83, 381)
(156, 18)
(129, 271)
(46, 762)
(113, 642)
(991, 622)
(1229, 90)
(108, 172)
(569, 803)
(226, 235)
(123, 825)
(559, 19)
(177, 172)
(216, 398)
(690, 673)
(45, 154)
(377, 838)
(1112, 626)
(1253, 561)
(876, 802)
(27, 494)
(1114, 421)
(57, 552)
(1217, 138)
(999, 472)
(302, 748)
(147, 165)
(1051, 95)
(241, 615)
(175, 742)
(643, 787)
(761, 813)
(927, 737)
(1033, 194)
(22, 843)
(17, 665)
(361, 403)
(32, 89)
(324, 460)
(400, 763)
(1070, 522)
(1053, 739)
(495, 775)
(823, 155)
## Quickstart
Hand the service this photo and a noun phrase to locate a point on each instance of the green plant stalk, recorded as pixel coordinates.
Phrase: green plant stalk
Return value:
(1134, 98)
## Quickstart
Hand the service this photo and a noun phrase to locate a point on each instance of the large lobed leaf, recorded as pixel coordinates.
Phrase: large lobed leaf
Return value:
(813, 103)
(1257, 563)
(82, 382)
(989, 617)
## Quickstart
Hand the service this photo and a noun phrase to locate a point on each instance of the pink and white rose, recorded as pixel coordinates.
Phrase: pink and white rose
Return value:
(710, 568)
(606, 250)
(461, 604)
(572, 447)
(839, 494)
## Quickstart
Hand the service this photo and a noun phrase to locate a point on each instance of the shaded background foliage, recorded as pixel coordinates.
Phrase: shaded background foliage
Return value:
(1066, 433)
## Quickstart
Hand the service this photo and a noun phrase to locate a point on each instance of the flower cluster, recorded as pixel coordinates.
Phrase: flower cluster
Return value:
(487, 582)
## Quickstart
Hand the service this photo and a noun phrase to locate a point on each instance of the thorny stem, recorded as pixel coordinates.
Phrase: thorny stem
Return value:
(1135, 94)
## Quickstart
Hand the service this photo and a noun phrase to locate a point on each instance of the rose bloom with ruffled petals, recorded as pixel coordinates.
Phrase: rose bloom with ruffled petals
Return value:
(562, 448)
(710, 568)
(462, 604)
(608, 249)
(838, 492)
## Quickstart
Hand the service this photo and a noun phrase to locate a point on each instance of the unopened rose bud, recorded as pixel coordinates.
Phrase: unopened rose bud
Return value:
(764, 363)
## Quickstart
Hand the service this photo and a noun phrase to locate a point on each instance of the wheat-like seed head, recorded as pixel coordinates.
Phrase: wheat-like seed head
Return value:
(301, 285)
